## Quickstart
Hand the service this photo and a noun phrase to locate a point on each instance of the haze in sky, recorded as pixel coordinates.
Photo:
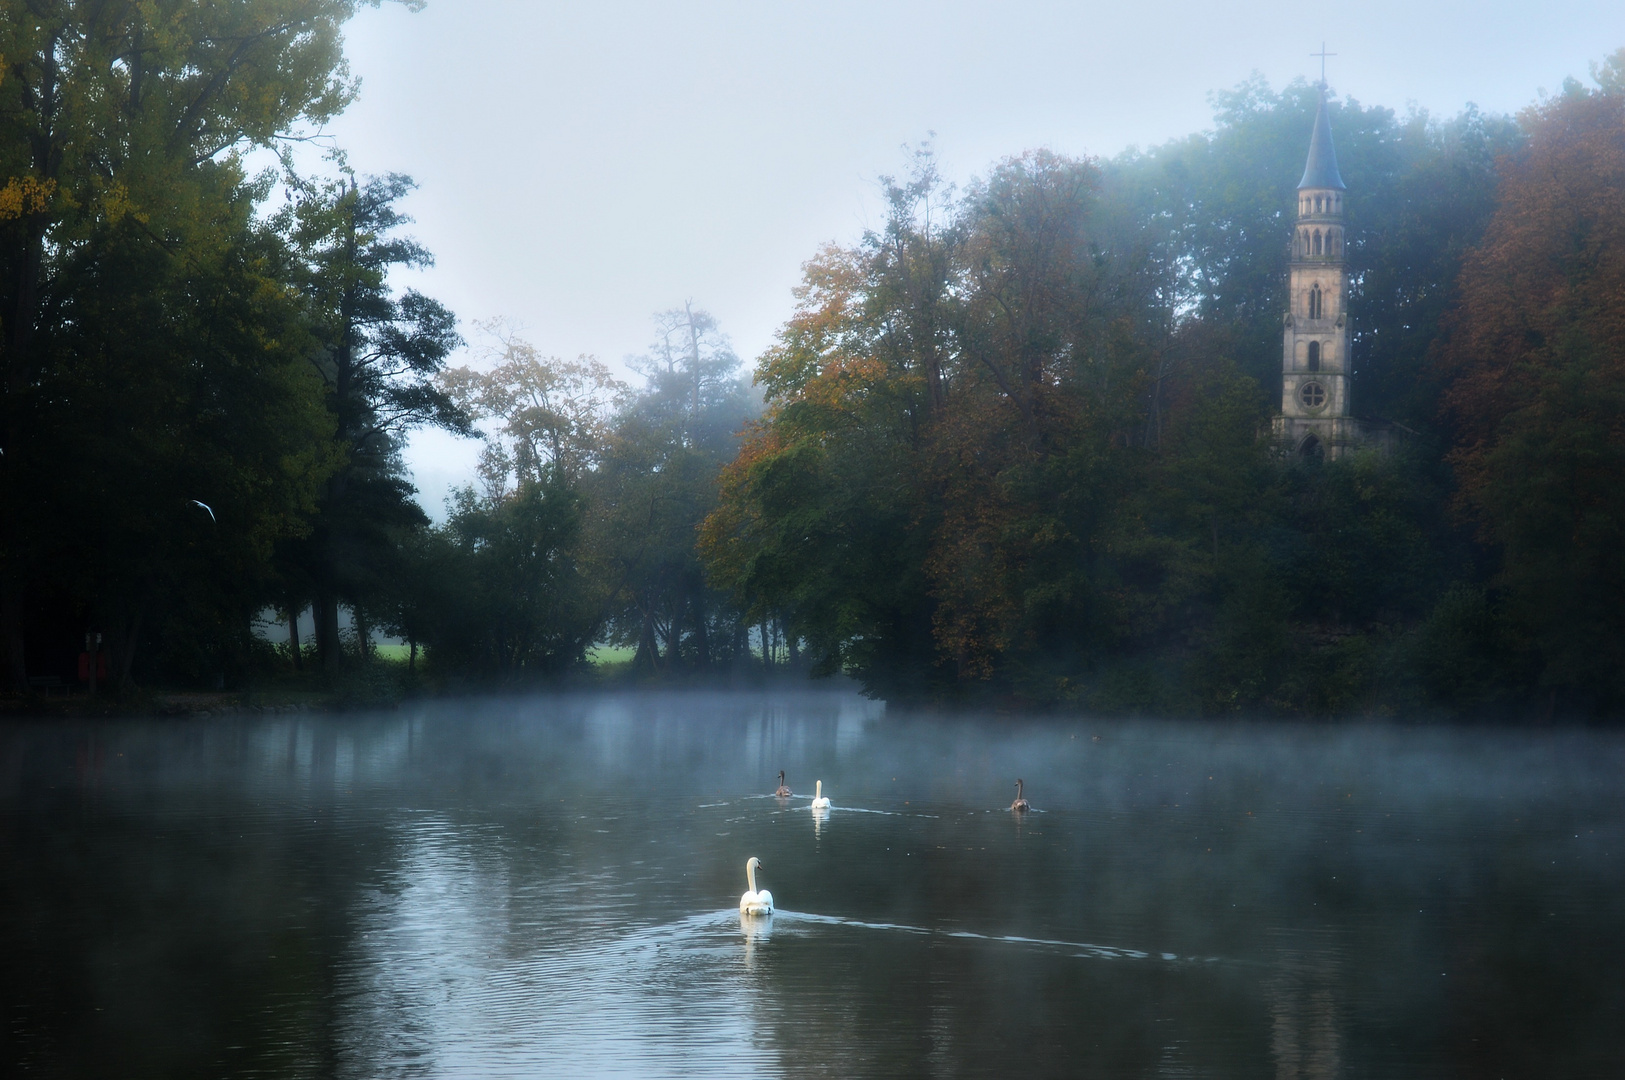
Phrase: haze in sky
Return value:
(583, 166)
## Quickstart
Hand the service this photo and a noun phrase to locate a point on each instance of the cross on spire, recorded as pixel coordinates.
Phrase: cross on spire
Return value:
(1323, 54)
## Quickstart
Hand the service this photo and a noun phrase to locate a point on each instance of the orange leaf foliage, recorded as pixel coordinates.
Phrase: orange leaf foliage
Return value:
(1548, 278)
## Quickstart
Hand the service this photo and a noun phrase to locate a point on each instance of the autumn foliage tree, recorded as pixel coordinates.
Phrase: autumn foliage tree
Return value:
(940, 493)
(1536, 359)
(125, 204)
(1013, 437)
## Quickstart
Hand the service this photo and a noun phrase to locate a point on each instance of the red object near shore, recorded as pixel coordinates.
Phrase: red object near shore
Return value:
(84, 666)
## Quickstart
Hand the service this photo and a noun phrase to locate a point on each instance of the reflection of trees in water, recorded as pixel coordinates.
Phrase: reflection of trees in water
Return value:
(872, 1001)
(387, 897)
(432, 944)
(190, 909)
(1305, 1019)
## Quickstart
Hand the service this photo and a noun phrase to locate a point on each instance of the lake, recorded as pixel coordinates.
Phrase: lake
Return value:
(550, 887)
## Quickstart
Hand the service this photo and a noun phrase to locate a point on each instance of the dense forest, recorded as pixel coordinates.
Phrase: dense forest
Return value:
(1013, 445)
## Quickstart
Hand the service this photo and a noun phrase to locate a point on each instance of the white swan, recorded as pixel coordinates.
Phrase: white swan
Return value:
(1020, 805)
(781, 791)
(819, 802)
(754, 902)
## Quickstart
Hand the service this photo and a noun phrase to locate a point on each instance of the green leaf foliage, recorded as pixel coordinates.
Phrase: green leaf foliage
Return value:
(153, 345)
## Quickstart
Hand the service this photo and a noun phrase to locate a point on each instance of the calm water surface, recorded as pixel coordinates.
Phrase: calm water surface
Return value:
(550, 888)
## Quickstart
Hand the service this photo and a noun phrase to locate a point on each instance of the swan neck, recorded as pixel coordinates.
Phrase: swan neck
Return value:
(819, 794)
(750, 876)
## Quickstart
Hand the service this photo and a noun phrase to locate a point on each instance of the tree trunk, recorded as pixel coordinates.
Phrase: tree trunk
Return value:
(767, 647)
(791, 647)
(674, 639)
(293, 637)
(694, 353)
(648, 649)
(11, 636)
(121, 649)
(328, 653)
(363, 633)
(702, 640)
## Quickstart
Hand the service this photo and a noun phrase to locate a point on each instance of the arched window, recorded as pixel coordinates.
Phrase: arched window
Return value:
(1311, 449)
(1314, 302)
(1314, 356)
(1317, 204)
(1317, 241)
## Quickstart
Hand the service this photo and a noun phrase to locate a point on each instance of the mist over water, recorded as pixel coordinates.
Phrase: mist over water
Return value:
(550, 887)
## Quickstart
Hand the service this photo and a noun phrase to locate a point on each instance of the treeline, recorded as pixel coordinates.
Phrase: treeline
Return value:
(163, 341)
(209, 378)
(1014, 443)
(581, 528)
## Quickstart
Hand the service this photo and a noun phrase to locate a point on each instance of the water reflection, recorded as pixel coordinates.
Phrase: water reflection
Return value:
(1305, 1021)
(550, 887)
(754, 929)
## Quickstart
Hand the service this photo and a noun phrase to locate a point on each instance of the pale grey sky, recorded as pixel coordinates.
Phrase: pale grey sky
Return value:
(585, 165)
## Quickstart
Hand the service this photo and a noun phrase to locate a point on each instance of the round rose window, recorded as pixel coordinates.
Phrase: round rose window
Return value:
(1312, 394)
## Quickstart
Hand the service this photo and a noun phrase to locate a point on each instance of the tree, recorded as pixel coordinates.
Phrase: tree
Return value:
(1535, 360)
(822, 520)
(554, 414)
(123, 203)
(509, 600)
(1082, 508)
(512, 591)
(900, 500)
(656, 482)
(378, 356)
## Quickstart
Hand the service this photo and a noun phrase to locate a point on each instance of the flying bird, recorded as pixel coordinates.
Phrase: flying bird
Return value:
(206, 510)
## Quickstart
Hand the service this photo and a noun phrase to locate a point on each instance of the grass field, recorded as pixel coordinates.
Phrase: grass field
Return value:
(610, 654)
(598, 654)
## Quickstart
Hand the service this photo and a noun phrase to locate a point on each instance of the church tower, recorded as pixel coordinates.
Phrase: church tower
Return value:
(1315, 368)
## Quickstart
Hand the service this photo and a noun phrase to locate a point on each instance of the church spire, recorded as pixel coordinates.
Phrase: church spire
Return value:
(1321, 169)
(1316, 372)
